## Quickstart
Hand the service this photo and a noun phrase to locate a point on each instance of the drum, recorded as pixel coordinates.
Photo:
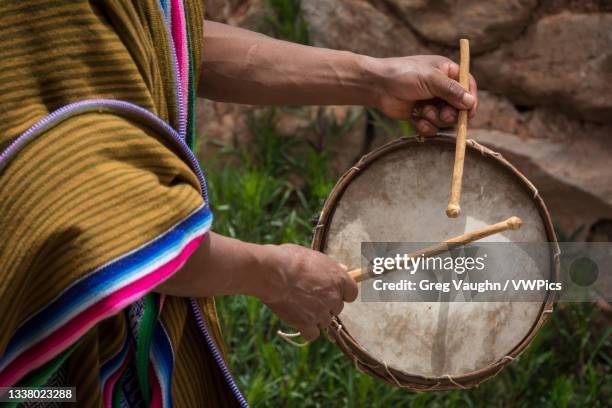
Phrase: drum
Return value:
(399, 193)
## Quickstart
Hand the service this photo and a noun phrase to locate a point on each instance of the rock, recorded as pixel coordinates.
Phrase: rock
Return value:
(486, 23)
(360, 27)
(573, 176)
(564, 61)
(221, 124)
(496, 112)
(249, 14)
(567, 160)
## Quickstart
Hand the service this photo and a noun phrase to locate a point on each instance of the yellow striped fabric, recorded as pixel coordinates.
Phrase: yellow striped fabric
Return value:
(98, 185)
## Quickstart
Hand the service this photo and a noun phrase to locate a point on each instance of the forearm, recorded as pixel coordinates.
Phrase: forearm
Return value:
(226, 266)
(246, 67)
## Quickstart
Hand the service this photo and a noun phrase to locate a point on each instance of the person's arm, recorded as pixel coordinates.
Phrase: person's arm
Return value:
(303, 287)
(246, 67)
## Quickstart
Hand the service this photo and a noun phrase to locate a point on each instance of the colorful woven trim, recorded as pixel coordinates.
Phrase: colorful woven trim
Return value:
(179, 40)
(111, 288)
(109, 386)
(162, 360)
(112, 370)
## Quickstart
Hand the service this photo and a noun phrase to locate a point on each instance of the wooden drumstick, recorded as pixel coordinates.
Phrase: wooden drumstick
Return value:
(511, 223)
(453, 208)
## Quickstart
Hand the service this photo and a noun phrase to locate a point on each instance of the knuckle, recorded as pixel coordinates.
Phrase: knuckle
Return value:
(325, 319)
(422, 126)
(301, 262)
(429, 76)
(332, 301)
(338, 308)
(310, 333)
(430, 112)
(352, 296)
(454, 89)
(308, 320)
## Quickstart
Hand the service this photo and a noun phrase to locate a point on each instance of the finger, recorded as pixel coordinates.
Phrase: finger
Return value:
(350, 290)
(396, 108)
(309, 333)
(452, 70)
(325, 321)
(474, 92)
(448, 114)
(432, 113)
(419, 106)
(425, 128)
(450, 90)
(337, 309)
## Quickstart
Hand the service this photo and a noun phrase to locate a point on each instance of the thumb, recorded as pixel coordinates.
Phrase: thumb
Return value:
(451, 91)
(350, 290)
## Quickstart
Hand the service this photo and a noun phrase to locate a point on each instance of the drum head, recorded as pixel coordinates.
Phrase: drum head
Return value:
(399, 193)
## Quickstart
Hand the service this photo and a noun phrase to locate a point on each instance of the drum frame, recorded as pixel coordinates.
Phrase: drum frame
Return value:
(362, 360)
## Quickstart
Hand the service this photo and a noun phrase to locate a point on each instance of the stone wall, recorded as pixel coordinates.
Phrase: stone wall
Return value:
(544, 67)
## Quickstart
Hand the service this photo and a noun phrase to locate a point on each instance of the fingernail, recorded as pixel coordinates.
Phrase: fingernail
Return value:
(425, 128)
(343, 266)
(468, 100)
(429, 114)
(449, 117)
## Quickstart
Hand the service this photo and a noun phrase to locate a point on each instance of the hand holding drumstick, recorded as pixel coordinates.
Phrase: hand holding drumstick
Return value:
(358, 275)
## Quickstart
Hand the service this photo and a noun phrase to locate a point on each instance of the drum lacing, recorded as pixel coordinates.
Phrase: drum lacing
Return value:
(463, 387)
(395, 379)
(556, 261)
(430, 388)
(447, 134)
(501, 367)
(356, 361)
(455, 382)
(536, 193)
(482, 150)
(338, 328)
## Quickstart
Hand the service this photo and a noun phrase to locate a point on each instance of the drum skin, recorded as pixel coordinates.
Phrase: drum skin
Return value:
(399, 193)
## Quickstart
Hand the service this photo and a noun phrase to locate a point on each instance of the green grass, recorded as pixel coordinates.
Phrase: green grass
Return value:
(285, 21)
(269, 193)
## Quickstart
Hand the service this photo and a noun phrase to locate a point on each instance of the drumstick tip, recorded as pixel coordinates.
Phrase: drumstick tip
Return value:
(453, 210)
(514, 223)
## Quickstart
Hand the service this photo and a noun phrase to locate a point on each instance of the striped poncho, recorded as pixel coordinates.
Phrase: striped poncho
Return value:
(101, 199)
